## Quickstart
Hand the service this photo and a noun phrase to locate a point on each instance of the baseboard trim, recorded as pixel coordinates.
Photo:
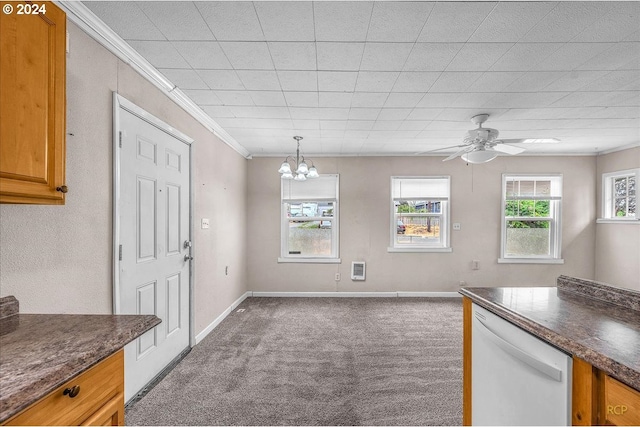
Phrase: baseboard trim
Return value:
(429, 295)
(356, 294)
(220, 318)
(326, 294)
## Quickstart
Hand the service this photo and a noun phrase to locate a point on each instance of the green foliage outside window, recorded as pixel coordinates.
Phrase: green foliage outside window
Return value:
(418, 207)
(527, 208)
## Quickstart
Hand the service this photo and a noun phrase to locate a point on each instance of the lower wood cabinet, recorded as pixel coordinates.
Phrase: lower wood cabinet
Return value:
(620, 403)
(599, 399)
(95, 397)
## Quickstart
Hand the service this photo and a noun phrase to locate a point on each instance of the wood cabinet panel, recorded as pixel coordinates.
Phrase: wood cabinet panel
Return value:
(111, 414)
(32, 110)
(621, 403)
(100, 400)
(584, 411)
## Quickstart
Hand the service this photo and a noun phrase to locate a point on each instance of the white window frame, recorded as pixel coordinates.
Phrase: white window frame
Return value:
(445, 207)
(555, 218)
(333, 258)
(607, 199)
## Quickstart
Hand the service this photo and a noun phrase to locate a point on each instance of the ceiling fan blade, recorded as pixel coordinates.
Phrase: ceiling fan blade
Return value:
(509, 149)
(511, 141)
(531, 141)
(440, 149)
(459, 153)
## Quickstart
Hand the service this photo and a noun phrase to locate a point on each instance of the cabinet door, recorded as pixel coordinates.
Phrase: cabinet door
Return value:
(32, 108)
(621, 403)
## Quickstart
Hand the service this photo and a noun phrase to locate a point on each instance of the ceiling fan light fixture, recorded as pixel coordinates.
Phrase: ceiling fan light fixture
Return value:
(479, 156)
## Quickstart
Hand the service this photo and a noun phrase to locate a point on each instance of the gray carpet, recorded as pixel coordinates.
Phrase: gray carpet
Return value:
(319, 361)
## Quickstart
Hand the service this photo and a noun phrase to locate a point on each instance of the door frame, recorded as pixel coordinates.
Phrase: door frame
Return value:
(119, 102)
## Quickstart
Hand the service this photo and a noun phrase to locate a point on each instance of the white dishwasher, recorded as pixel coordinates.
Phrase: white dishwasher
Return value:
(516, 378)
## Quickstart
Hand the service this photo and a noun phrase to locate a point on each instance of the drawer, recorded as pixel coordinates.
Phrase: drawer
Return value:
(621, 403)
(98, 386)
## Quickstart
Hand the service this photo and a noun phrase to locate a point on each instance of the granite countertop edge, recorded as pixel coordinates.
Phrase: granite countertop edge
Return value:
(597, 359)
(13, 403)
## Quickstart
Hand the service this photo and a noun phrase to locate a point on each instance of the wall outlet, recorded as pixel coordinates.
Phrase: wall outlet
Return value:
(456, 226)
(475, 264)
(337, 277)
(205, 223)
(463, 283)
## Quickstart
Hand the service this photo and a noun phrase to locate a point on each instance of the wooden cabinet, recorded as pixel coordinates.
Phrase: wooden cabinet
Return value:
(620, 403)
(99, 399)
(599, 399)
(32, 108)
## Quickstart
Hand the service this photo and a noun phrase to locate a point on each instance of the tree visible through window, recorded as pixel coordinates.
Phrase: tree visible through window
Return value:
(625, 196)
(619, 194)
(531, 217)
(419, 213)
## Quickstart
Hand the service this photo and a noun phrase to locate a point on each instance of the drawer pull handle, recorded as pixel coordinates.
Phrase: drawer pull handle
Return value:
(72, 392)
(62, 189)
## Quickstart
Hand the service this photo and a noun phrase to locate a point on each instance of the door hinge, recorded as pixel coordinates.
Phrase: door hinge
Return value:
(120, 253)
(120, 139)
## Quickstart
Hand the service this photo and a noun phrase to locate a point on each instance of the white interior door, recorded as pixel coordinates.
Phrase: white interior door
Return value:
(153, 208)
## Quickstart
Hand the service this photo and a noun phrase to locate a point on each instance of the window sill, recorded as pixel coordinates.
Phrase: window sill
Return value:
(310, 260)
(617, 221)
(390, 249)
(530, 261)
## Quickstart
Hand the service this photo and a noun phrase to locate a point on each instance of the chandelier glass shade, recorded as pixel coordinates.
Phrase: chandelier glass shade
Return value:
(300, 170)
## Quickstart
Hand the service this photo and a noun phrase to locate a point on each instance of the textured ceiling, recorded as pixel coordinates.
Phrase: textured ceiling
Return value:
(393, 78)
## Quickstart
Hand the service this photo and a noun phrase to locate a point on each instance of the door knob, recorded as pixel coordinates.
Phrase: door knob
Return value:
(187, 244)
(188, 257)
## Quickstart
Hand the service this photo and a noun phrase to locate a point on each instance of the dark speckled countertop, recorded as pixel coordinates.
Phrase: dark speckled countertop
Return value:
(596, 323)
(40, 352)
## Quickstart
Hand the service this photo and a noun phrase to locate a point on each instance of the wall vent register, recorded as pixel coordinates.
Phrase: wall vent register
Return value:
(358, 270)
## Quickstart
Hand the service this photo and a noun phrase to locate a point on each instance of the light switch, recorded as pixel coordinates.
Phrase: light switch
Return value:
(456, 226)
(205, 223)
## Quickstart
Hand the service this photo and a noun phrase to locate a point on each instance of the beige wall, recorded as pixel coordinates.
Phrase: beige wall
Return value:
(58, 259)
(365, 218)
(617, 245)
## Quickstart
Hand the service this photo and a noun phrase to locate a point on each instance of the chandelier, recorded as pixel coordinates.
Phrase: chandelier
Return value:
(302, 170)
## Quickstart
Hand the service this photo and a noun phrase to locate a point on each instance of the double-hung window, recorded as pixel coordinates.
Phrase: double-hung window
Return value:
(420, 214)
(619, 195)
(309, 220)
(531, 214)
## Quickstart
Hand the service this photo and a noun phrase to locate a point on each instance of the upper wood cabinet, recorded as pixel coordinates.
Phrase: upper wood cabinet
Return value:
(33, 103)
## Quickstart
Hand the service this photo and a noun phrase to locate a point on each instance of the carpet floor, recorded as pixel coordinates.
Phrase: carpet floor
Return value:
(319, 361)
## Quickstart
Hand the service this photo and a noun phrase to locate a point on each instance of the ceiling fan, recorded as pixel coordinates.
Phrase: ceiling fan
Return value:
(482, 145)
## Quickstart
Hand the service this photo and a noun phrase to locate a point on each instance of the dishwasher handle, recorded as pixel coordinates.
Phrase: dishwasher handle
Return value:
(550, 371)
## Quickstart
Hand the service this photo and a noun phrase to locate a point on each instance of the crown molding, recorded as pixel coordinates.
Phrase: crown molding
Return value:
(84, 18)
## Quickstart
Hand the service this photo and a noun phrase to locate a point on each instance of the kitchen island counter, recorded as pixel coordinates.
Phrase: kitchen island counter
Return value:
(594, 322)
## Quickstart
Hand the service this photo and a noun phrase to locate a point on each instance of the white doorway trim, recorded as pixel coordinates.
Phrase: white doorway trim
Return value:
(119, 102)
